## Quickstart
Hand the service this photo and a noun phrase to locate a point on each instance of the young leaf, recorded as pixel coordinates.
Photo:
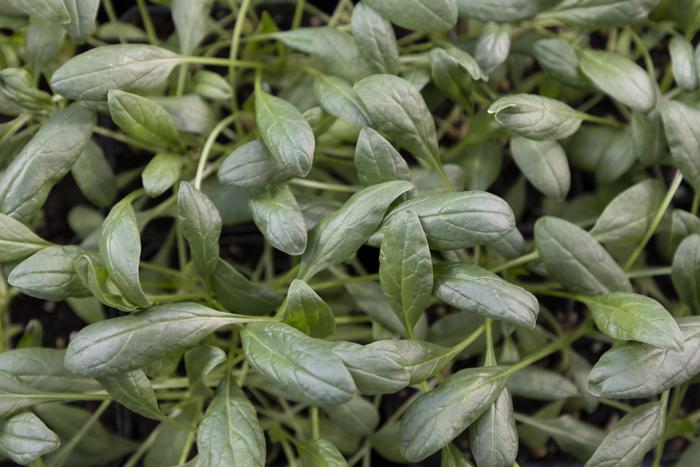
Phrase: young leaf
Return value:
(161, 173)
(502, 10)
(375, 38)
(16, 86)
(471, 288)
(94, 277)
(307, 312)
(406, 268)
(251, 167)
(544, 164)
(17, 241)
(43, 161)
(129, 67)
(340, 234)
(94, 176)
(421, 359)
(49, 274)
(438, 416)
(419, 15)
(536, 117)
(636, 370)
(338, 98)
(398, 111)
(684, 271)
(682, 128)
(230, 433)
(190, 18)
(49, 10)
(134, 391)
(376, 160)
(373, 372)
(632, 437)
(320, 453)
(628, 216)
(448, 67)
(211, 85)
(452, 221)
(199, 362)
(493, 438)
(279, 218)
(143, 119)
(82, 14)
(493, 46)
(620, 78)
(300, 365)
(123, 344)
(201, 226)
(576, 260)
(120, 248)
(24, 438)
(683, 63)
(285, 132)
(558, 58)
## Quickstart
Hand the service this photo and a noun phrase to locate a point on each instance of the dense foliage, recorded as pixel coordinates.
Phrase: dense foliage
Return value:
(392, 231)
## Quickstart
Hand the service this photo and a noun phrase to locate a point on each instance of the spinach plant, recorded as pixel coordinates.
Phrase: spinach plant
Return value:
(349, 233)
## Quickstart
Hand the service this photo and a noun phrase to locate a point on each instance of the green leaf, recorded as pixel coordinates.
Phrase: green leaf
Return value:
(307, 312)
(502, 10)
(16, 396)
(682, 128)
(471, 288)
(279, 218)
(628, 216)
(648, 137)
(375, 38)
(628, 316)
(338, 98)
(123, 344)
(493, 438)
(406, 268)
(16, 86)
(482, 164)
(451, 456)
(620, 78)
(376, 160)
(536, 117)
(191, 22)
(336, 51)
(386, 443)
(448, 67)
(83, 14)
(285, 132)
(49, 274)
(683, 224)
(421, 359)
(43, 161)
(252, 168)
(42, 369)
(398, 111)
(373, 372)
(452, 221)
(95, 278)
(161, 173)
(573, 436)
(320, 453)
(129, 67)
(684, 271)
(17, 241)
(358, 416)
(637, 370)
(493, 46)
(558, 58)
(94, 176)
(42, 41)
(120, 248)
(190, 113)
(201, 226)
(438, 416)
(430, 182)
(134, 391)
(632, 437)
(418, 15)
(143, 119)
(576, 260)
(340, 234)
(544, 164)
(49, 10)
(24, 438)
(593, 14)
(540, 384)
(199, 362)
(301, 366)
(174, 434)
(683, 63)
(230, 433)
(237, 293)
(211, 85)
